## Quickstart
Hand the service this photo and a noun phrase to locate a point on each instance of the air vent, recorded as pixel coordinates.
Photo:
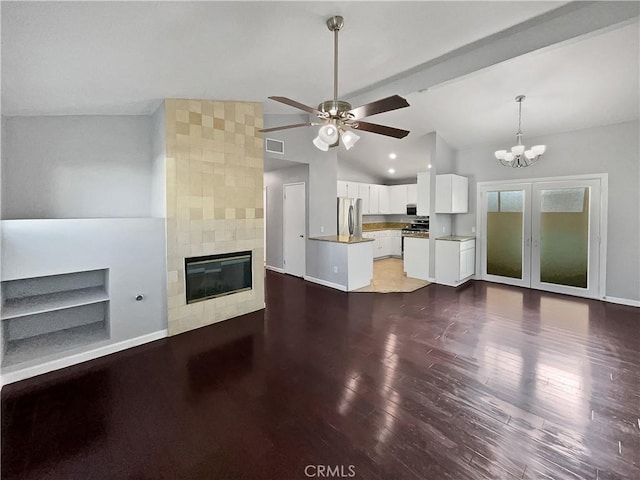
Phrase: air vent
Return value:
(274, 146)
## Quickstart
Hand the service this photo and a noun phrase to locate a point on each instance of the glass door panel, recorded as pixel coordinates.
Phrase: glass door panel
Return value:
(506, 226)
(565, 225)
(564, 236)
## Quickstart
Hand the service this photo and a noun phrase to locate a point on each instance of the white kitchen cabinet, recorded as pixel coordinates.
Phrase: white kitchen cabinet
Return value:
(383, 199)
(398, 199)
(424, 191)
(412, 194)
(395, 248)
(348, 189)
(416, 257)
(363, 193)
(374, 199)
(452, 194)
(455, 260)
(342, 189)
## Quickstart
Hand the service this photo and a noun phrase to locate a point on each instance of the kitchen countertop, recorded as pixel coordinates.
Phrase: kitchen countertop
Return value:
(456, 238)
(342, 239)
(373, 227)
(416, 235)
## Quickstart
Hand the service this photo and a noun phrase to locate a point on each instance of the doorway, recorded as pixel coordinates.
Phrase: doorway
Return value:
(294, 223)
(544, 234)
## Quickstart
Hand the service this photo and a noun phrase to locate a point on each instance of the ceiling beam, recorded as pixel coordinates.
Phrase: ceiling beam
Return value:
(563, 24)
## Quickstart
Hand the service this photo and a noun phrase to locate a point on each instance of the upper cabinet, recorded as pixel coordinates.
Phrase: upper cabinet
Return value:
(348, 189)
(424, 190)
(412, 193)
(383, 199)
(398, 199)
(380, 199)
(452, 194)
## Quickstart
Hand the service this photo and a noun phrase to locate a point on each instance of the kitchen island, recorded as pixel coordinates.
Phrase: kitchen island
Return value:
(341, 262)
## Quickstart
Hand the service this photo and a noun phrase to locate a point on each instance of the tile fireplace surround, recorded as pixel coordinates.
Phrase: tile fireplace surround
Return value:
(214, 171)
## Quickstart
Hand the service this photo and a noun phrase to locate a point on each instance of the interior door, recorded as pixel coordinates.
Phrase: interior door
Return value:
(295, 221)
(506, 227)
(565, 250)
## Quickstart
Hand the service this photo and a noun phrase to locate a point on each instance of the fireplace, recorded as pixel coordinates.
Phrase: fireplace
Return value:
(217, 275)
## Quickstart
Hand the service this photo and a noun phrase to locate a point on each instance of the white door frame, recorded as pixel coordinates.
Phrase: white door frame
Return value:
(604, 208)
(284, 227)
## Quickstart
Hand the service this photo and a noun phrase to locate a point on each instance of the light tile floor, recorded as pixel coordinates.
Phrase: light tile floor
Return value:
(389, 276)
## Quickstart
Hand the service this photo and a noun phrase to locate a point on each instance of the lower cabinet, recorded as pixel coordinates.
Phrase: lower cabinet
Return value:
(416, 257)
(387, 243)
(455, 261)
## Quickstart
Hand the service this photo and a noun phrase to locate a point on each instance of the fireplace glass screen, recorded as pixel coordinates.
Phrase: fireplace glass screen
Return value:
(217, 275)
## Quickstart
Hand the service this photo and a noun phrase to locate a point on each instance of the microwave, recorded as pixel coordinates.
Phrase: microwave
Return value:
(412, 209)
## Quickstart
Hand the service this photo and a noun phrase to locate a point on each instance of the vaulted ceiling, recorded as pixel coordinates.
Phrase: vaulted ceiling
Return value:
(124, 57)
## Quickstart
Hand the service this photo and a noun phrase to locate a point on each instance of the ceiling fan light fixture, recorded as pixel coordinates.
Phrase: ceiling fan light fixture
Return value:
(328, 134)
(320, 144)
(348, 138)
(338, 116)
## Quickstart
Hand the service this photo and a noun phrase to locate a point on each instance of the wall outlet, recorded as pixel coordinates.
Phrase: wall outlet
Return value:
(321, 229)
(335, 269)
(473, 229)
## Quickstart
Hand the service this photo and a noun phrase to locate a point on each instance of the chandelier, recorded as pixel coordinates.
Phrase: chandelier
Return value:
(518, 157)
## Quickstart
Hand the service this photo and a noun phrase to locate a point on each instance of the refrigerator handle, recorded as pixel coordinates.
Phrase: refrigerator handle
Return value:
(350, 220)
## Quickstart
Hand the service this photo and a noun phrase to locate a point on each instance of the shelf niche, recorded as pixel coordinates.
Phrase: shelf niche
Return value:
(44, 316)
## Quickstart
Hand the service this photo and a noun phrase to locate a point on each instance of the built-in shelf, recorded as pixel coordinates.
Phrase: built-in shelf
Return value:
(49, 302)
(45, 316)
(50, 344)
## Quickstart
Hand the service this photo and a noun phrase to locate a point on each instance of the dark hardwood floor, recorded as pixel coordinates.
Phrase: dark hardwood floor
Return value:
(480, 382)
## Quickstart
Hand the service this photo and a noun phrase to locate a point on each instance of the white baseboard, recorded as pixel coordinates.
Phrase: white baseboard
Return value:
(326, 283)
(622, 301)
(275, 269)
(52, 365)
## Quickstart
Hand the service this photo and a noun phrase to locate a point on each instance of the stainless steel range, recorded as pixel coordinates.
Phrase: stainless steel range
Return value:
(417, 227)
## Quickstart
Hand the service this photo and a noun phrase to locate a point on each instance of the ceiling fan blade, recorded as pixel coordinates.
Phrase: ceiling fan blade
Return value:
(380, 129)
(293, 103)
(284, 127)
(393, 102)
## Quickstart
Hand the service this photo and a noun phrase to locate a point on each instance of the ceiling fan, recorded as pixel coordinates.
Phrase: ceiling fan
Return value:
(337, 118)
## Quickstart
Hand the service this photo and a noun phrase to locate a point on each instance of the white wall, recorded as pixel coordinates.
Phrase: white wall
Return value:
(131, 248)
(274, 181)
(77, 167)
(612, 149)
(348, 173)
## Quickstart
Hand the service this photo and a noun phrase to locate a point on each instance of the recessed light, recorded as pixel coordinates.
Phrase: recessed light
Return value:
(429, 166)
(392, 156)
(392, 170)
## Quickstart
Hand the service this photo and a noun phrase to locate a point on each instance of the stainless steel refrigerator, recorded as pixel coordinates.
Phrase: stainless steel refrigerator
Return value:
(350, 216)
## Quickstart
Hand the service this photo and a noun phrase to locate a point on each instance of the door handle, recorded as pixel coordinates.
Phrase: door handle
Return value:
(301, 236)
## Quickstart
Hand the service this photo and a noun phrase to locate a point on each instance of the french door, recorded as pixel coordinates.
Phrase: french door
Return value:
(542, 234)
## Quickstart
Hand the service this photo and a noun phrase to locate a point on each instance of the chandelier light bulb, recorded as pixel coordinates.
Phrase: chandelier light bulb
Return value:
(538, 149)
(517, 150)
(500, 154)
